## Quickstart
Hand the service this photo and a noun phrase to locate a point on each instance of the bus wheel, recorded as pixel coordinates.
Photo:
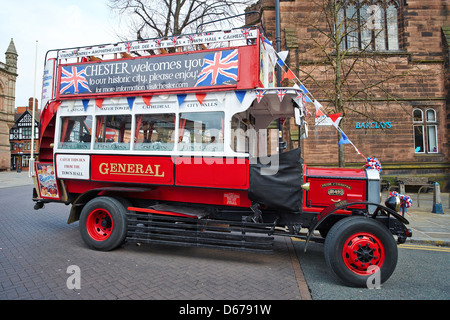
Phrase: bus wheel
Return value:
(103, 223)
(361, 251)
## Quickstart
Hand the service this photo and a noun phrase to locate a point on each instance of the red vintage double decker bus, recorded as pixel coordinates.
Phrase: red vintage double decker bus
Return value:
(165, 141)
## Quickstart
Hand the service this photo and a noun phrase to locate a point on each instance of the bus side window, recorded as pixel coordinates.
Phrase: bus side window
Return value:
(113, 132)
(201, 131)
(75, 132)
(154, 132)
(239, 135)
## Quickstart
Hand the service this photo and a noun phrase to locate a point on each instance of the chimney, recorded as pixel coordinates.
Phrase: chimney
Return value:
(30, 105)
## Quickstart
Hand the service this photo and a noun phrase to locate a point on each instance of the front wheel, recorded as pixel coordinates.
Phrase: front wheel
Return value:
(103, 223)
(357, 247)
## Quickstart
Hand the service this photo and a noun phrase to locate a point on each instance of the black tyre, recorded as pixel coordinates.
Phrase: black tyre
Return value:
(357, 247)
(103, 223)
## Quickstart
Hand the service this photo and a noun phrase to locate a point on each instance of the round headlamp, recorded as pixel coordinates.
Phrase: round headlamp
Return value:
(393, 203)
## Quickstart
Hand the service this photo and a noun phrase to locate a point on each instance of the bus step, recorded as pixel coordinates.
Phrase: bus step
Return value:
(206, 233)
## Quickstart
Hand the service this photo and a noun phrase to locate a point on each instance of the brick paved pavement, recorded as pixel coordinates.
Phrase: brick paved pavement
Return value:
(37, 247)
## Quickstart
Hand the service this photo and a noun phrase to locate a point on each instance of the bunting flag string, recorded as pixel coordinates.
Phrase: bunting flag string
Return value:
(319, 109)
(281, 57)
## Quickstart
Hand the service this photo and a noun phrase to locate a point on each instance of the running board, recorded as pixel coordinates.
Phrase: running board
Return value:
(194, 232)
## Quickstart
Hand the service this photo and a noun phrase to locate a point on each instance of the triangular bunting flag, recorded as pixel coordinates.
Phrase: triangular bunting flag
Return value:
(70, 104)
(281, 93)
(305, 91)
(85, 103)
(99, 102)
(240, 95)
(267, 41)
(288, 75)
(336, 118)
(147, 100)
(304, 88)
(300, 95)
(282, 57)
(220, 95)
(301, 99)
(181, 98)
(318, 106)
(200, 97)
(280, 63)
(131, 102)
(344, 139)
(260, 94)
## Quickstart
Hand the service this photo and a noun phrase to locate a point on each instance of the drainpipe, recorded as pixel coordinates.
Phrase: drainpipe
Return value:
(278, 48)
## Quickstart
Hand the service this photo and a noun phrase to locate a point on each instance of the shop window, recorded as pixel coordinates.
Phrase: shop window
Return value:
(75, 132)
(425, 131)
(112, 132)
(201, 131)
(154, 132)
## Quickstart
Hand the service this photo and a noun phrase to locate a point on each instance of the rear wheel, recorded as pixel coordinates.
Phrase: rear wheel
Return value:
(103, 223)
(357, 247)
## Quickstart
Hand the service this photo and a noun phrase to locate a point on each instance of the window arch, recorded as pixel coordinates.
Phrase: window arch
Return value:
(417, 115)
(425, 131)
(369, 25)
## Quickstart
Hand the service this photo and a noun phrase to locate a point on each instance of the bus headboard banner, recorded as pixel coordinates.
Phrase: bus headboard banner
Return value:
(155, 73)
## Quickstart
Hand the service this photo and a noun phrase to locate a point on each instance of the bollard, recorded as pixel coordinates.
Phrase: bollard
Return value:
(437, 203)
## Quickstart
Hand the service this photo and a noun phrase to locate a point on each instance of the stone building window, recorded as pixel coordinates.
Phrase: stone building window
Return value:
(369, 26)
(425, 131)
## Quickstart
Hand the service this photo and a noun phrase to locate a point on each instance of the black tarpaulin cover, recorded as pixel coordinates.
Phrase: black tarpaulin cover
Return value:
(278, 189)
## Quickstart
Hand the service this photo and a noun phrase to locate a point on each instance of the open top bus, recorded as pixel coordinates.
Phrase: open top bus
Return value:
(165, 141)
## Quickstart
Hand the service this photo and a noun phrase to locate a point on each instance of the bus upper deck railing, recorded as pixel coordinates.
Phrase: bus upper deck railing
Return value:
(154, 46)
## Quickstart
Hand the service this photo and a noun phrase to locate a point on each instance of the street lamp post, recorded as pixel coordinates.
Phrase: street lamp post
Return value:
(19, 164)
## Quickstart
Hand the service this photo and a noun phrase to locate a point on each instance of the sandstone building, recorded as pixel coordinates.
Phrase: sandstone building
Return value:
(8, 75)
(393, 80)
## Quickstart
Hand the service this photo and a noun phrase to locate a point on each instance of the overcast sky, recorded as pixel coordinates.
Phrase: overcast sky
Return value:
(54, 24)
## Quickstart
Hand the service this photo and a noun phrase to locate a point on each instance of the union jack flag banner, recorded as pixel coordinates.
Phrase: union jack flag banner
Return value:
(281, 93)
(128, 45)
(73, 80)
(174, 40)
(260, 94)
(219, 68)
